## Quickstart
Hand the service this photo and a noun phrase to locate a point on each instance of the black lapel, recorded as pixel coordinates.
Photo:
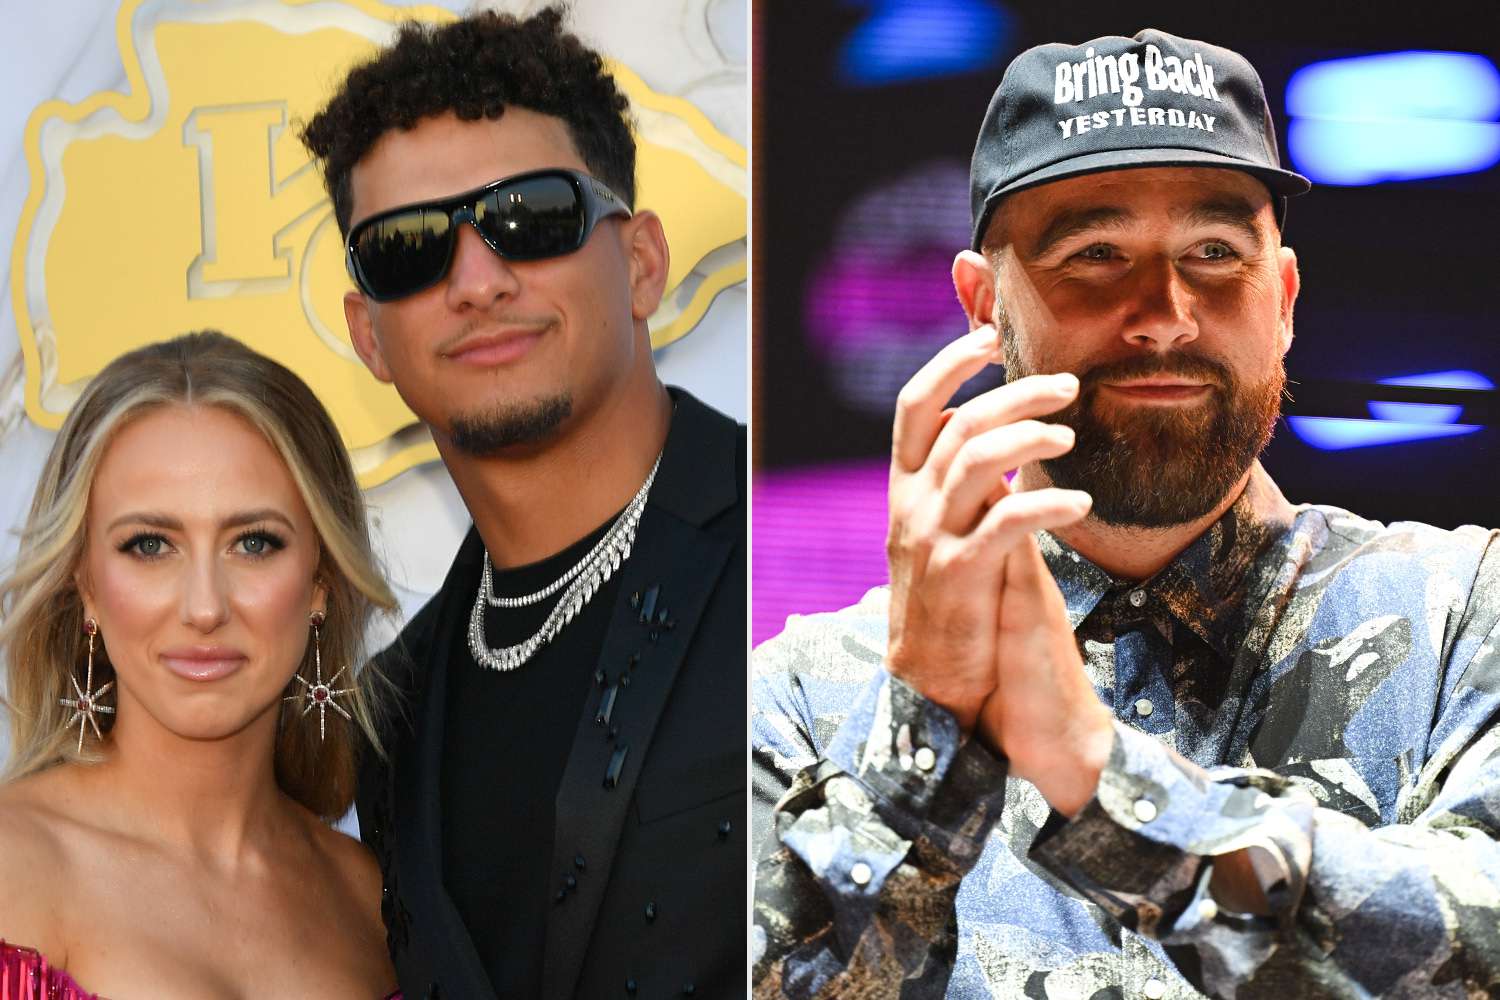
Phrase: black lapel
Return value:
(438, 928)
(667, 581)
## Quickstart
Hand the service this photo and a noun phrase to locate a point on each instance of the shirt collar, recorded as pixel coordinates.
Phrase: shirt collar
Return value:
(1213, 586)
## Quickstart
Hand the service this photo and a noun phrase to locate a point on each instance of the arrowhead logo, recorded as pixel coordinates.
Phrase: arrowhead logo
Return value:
(188, 202)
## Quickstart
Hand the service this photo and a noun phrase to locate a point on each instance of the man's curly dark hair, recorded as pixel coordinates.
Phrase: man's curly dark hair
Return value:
(476, 67)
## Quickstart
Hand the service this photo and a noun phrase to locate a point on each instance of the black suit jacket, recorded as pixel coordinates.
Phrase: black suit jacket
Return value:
(650, 843)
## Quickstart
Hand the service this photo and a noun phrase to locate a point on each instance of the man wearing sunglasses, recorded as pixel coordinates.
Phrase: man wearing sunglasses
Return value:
(1129, 724)
(558, 808)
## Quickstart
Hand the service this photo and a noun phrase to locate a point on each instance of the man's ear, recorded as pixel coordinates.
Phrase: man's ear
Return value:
(1291, 284)
(974, 280)
(650, 259)
(362, 335)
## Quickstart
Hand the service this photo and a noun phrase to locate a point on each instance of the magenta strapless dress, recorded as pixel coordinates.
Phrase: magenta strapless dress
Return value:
(27, 975)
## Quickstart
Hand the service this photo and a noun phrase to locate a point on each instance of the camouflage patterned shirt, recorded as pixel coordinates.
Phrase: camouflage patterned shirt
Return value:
(1299, 680)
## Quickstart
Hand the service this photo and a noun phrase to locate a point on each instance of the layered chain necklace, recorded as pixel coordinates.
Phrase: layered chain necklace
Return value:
(582, 581)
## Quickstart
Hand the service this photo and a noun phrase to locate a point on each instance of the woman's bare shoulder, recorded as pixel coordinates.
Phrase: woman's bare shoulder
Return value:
(357, 874)
(349, 900)
(357, 860)
(33, 810)
(354, 862)
(34, 869)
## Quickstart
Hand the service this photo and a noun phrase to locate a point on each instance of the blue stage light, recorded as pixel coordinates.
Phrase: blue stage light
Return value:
(915, 39)
(1340, 433)
(1388, 85)
(1395, 423)
(1429, 413)
(1350, 153)
(1394, 116)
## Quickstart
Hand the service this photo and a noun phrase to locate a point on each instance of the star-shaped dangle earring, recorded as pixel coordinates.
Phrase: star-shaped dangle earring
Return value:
(87, 703)
(320, 694)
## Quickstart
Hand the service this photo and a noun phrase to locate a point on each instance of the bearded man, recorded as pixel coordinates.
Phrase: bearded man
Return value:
(1129, 723)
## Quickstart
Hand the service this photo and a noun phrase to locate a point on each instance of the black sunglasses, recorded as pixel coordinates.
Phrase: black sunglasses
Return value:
(544, 213)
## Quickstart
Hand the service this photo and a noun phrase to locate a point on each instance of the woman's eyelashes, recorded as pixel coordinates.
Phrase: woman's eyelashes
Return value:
(260, 543)
(146, 545)
(257, 543)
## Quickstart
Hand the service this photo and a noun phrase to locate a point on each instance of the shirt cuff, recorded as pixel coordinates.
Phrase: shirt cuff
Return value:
(899, 775)
(1143, 847)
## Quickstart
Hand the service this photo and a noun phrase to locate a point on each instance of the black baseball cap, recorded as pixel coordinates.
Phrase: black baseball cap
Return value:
(1114, 103)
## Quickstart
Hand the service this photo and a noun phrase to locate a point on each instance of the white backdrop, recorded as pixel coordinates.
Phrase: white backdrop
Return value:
(693, 49)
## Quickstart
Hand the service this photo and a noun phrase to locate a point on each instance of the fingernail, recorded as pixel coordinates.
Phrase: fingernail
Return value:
(1066, 382)
(1084, 500)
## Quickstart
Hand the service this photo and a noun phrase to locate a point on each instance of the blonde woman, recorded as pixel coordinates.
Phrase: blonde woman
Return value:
(180, 633)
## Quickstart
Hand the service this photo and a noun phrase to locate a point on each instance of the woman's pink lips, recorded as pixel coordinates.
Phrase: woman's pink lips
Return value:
(203, 664)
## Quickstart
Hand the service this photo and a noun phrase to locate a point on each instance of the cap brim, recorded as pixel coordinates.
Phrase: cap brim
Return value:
(1280, 182)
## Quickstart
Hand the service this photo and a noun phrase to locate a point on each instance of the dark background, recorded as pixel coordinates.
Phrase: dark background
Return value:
(1398, 278)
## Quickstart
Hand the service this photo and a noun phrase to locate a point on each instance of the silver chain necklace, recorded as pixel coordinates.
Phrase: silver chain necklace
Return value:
(583, 581)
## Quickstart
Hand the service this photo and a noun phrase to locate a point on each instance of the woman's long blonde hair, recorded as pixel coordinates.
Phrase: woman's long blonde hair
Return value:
(41, 612)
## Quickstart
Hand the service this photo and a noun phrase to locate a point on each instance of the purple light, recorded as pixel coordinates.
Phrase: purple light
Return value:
(863, 291)
(882, 302)
(819, 540)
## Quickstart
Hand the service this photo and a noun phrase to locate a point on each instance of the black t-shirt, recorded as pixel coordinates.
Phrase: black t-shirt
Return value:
(505, 747)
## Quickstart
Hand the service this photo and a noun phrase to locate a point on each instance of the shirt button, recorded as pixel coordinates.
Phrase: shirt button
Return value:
(1143, 707)
(925, 759)
(1144, 810)
(1137, 598)
(1154, 989)
(860, 873)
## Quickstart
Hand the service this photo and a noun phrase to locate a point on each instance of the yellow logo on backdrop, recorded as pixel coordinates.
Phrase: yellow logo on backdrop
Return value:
(188, 202)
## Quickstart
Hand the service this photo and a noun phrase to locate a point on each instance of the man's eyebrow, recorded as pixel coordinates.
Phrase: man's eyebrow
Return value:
(1237, 213)
(1070, 222)
(152, 519)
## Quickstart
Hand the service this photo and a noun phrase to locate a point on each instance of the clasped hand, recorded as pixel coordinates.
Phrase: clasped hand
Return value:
(977, 623)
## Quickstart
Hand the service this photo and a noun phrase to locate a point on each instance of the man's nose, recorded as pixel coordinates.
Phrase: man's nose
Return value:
(477, 275)
(1161, 308)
